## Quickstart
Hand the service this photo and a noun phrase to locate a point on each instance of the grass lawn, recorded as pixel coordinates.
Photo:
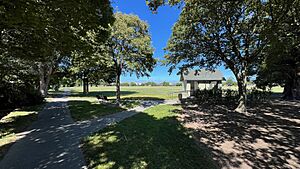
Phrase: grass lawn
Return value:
(16, 122)
(132, 92)
(154, 139)
(277, 89)
(84, 108)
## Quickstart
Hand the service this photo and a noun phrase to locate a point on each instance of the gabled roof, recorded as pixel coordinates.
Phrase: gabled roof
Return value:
(202, 75)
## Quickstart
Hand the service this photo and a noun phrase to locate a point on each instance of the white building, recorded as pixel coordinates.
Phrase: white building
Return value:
(200, 80)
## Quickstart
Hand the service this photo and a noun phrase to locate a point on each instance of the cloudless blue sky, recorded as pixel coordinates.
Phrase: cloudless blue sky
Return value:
(161, 29)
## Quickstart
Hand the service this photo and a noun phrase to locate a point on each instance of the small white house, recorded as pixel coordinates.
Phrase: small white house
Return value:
(199, 80)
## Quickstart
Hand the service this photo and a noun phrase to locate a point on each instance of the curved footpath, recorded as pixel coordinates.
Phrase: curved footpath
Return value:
(53, 140)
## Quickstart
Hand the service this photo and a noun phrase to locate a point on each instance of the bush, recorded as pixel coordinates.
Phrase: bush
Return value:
(18, 95)
(179, 84)
(133, 84)
(125, 84)
(166, 84)
(203, 95)
(258, 95)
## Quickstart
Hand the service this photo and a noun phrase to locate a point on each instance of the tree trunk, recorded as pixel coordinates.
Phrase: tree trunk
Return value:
(298, 81)
(44, 74)
(118, 90)
(85, 85)
(242, 88)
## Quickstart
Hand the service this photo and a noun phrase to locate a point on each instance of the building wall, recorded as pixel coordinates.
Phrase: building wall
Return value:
(186, 86)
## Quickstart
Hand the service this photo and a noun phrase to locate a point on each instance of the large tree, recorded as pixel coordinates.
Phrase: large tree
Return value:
(129, 48)
(44, 31)
(213, 33)
(281, 64)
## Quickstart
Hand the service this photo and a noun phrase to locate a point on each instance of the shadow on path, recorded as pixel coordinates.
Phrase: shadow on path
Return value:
(54, 140)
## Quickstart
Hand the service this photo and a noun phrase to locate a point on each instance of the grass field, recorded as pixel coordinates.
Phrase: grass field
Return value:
(16, 122)
(133, 92)
(84, 110)
(154, 139)
(86, 106)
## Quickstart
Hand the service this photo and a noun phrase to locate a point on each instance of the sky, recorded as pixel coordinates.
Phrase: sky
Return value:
(160, 29)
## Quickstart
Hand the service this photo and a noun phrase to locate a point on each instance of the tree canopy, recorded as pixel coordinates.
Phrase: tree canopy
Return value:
(213, 33)
(129, 48)
(37, 35)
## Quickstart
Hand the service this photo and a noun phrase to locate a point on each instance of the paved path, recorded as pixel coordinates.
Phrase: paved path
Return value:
(53, 141)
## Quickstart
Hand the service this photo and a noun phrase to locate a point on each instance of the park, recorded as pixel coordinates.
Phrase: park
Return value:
(171, 84)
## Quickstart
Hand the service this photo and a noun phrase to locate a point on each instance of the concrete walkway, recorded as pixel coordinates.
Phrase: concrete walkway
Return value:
(53, 141)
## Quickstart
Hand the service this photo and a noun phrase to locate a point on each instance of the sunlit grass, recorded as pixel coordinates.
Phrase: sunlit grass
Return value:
(85, 108)
(154, 139)
(134, 92)
(16, 122)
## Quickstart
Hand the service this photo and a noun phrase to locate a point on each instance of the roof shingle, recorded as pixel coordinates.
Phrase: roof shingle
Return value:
(202, 75)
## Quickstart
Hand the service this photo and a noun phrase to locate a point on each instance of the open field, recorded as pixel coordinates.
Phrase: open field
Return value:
(133, 92)
(153, 139)
(143, 92)
(86, 106)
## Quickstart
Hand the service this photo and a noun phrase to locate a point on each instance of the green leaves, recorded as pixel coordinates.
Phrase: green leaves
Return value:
(130, 45)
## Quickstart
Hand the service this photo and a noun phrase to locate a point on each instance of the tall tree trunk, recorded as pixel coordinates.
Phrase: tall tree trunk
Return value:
(118, 90)
(85, 85)
(288, 90)
(242, 88)
(44, 73)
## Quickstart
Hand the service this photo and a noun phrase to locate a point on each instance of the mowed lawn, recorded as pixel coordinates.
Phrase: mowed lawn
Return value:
(153, 139)
(16, 122)
(132, 92)
(86, 106)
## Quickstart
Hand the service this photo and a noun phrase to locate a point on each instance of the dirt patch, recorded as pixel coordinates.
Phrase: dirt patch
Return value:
(269, 137)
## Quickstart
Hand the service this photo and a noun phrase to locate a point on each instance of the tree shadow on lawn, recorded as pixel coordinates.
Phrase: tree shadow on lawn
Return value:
(84, 110)
(9, 126)
(268, 138)
(145, 141)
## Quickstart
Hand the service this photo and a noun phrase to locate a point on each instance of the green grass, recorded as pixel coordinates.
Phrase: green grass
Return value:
(277, 89)
(154, 139)
(85, 108)
(15, 122)
(132, 92)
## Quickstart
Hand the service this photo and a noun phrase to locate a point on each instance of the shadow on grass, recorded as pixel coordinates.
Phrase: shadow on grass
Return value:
(84, 110)
(267, 138)
(145, 141)
(124, 94)
(16, 123)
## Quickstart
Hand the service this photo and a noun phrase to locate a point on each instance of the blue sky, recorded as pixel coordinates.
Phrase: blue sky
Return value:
(161, 29)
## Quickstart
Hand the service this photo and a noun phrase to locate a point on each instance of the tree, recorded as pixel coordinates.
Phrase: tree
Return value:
(281, 64)
(166, 84)
(45, 31)
(91, 67)
(125, 84)
(133, 84)
(179, 84)
(149, 84)
(129, 48)
(230, 82)
(212, 33)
